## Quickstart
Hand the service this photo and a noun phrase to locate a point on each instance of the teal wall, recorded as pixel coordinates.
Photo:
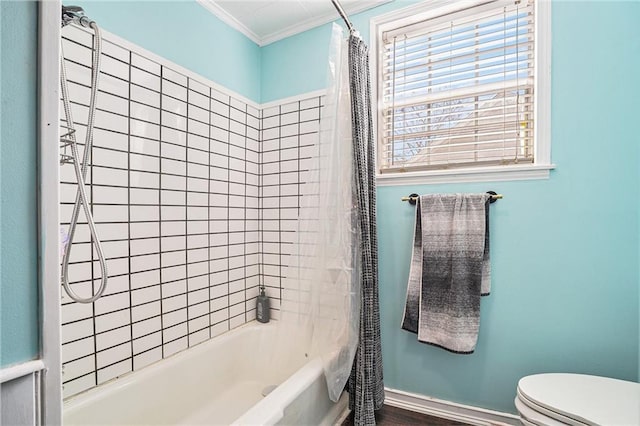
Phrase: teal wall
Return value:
(564, 250)
(298, 64)
(18, 204)
(295, 64)
(187, 34)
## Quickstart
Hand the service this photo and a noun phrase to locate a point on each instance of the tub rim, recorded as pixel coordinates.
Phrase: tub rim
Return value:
(118, 384)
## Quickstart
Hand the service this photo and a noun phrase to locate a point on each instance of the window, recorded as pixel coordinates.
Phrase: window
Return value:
(458, 89)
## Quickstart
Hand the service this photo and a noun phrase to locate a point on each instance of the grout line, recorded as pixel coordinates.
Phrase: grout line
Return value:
(186, 211)
(279, 201)
(92, 240)
(129, 219)
(244, 236)
(209, 220)
(228, 210)
(160, 219)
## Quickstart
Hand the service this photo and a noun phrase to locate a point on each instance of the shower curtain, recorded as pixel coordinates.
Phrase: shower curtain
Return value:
(366, 388)
(330, 290)
(321, 295)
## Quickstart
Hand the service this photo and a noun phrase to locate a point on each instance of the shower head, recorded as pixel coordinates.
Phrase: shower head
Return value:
(75, 15)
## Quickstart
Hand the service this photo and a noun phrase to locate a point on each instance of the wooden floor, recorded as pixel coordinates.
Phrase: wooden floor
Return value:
(388, 416)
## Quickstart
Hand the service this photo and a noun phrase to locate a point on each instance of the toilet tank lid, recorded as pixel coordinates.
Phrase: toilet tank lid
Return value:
(588, 399)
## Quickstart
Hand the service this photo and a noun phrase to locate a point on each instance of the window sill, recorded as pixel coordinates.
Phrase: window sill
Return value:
(485, 174)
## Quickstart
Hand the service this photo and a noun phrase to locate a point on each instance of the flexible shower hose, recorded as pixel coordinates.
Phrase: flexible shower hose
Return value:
(81, 173)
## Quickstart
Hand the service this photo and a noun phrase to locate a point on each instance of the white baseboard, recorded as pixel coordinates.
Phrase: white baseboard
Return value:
(448, 410)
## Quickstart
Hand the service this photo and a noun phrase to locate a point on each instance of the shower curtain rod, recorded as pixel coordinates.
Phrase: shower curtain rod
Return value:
(340, 10)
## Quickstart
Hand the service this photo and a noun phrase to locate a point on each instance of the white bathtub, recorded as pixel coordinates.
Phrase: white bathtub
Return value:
(219, 382)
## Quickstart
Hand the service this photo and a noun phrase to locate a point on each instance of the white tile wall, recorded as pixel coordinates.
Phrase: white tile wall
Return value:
(195, 196)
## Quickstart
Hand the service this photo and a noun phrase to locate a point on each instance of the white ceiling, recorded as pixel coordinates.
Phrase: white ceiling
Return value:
(266, 21)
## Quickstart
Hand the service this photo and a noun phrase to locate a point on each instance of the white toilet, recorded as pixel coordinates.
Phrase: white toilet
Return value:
(576, 399)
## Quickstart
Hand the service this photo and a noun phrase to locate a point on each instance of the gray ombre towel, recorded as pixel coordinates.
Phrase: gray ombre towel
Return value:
(450, 270)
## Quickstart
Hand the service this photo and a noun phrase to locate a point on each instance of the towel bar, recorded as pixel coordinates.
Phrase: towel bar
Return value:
(413, 197)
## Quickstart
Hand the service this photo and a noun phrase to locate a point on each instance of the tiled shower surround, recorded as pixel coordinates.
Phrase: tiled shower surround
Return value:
(195, 195)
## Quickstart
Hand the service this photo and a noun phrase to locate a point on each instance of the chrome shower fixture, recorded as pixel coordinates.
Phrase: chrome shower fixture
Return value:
(68, 141)
(75, 15)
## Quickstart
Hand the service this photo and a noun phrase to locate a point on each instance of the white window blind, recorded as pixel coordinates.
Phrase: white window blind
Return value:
(457, 90)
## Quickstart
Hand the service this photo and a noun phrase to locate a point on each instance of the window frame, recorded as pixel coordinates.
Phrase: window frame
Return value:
(541, 165)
